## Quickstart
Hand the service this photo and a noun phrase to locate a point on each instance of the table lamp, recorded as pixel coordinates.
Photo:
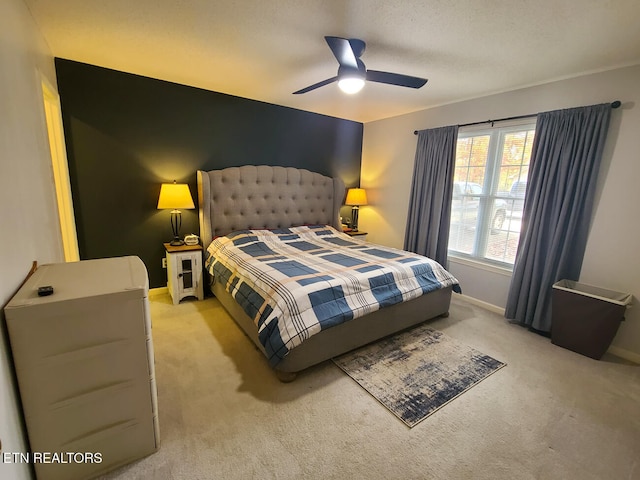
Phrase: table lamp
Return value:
(355, 198)
(175, 196)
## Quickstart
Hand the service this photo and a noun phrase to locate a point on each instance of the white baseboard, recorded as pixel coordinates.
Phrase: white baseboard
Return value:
(154, 292)
(480, 303)
(617, 351)
(626, 354)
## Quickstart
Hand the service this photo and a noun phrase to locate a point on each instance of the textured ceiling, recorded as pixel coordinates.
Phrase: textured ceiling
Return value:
(265, 50)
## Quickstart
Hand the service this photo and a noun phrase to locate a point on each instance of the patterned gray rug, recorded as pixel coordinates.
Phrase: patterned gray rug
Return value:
(416, 372)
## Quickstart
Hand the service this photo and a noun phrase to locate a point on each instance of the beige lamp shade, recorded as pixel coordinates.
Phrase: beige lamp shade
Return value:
(356, 197)
(175, 196)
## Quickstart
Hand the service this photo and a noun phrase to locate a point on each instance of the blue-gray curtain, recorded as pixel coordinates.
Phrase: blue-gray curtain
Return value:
(427, 231)
(565, 161)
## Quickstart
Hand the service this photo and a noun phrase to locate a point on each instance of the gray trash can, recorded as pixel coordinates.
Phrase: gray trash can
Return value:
(586, 318)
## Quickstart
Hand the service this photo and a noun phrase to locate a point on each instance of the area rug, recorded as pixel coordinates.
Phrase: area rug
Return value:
(416, 372)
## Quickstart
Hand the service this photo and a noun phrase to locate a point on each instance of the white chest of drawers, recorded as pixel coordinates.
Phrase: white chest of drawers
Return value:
(85, 365)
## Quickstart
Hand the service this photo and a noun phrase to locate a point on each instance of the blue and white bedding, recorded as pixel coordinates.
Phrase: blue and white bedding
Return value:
(298, 281)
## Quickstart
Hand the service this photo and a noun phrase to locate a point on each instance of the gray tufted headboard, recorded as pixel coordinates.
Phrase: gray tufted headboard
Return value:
(238, 198)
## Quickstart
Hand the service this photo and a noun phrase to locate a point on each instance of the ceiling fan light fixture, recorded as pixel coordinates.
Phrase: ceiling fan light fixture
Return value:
(351, 85)
(352, 72)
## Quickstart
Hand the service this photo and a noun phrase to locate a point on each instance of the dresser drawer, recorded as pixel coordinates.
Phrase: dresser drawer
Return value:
(116, 446)
(67, 375)
(75, 420)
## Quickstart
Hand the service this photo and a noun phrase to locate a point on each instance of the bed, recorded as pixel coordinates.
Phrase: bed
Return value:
(253, 205)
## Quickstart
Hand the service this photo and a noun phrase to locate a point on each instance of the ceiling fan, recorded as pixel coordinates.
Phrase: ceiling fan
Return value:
(352, 73)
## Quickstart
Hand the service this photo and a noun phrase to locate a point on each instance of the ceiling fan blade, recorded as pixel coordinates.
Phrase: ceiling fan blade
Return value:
(395, 79)
(343, 52)
(316, 85)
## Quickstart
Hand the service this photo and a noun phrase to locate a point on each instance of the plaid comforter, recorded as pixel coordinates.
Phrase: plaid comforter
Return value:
(298, 281)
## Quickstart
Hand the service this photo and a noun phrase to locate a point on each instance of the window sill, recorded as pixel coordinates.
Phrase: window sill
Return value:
(481, 265)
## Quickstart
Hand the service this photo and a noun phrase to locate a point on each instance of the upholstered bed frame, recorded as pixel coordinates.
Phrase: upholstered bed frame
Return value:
(255, 197)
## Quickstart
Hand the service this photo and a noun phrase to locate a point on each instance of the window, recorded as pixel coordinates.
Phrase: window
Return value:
(490, 180)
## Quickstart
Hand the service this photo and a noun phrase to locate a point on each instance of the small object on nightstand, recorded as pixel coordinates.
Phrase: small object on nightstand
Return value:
(357, 234)
(192, 239)
(184, 272)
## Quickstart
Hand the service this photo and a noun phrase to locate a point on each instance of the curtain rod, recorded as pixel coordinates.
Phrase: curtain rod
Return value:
(614, 104)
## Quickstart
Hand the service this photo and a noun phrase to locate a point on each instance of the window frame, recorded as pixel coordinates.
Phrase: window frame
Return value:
(491, 184)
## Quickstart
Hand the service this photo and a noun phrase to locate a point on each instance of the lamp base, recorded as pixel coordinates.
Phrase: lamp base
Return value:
(354, 218)
(176, 222)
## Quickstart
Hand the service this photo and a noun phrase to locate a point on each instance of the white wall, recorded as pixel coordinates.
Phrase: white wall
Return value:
(612, 257)
(28, 219)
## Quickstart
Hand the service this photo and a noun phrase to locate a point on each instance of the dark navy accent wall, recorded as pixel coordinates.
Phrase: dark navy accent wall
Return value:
(127, 134)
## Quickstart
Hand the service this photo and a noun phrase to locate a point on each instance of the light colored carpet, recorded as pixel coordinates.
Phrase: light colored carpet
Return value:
(416, 372)
(551, 414)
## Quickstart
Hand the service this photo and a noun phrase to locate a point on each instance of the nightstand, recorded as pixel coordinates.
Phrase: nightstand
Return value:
(184, 272)
(359, 235)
